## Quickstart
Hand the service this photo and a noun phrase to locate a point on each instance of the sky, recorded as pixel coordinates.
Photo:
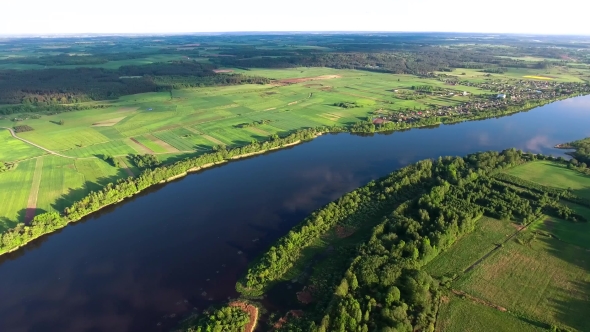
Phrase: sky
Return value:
(178, 16)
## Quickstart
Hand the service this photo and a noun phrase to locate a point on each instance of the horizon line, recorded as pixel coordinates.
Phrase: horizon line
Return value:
(263, 32)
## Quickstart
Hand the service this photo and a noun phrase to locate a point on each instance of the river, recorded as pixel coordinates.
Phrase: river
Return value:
(140, 265)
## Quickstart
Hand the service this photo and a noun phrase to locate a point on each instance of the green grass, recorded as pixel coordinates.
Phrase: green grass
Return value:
(463, 315)
(150, 144)
(554, 175)
(59, 184)
(488, 233)
(546, 280)
(16, 185)
(11, 149)
(194, 120)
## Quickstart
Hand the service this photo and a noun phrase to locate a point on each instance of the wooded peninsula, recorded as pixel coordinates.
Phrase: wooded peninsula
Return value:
(372, 251)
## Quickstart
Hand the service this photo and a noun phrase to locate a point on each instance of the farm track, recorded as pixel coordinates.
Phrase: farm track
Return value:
(126, 167)
(39, 146)
(498, 246)
(34, 193)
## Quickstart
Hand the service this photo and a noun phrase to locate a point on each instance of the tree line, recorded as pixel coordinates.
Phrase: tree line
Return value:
(46, 87)
(114, 192)
(422, 210)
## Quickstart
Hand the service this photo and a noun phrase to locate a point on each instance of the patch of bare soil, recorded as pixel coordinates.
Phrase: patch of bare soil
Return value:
(283, 320)
(213, 139)
(306, 79)
(251, 310)
(108, 123)
(126, 167)
(305, 296)
(142, 147)
(218, 71)
(343, 232)
(166, 146)
(518, 227)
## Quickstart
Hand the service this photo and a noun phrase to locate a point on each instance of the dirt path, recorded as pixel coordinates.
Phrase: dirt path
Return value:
(125, 166)
(498, 246)
(34, 193)
(478, 300)
(140, 146)
(35, 145)
(164, 145)
(251, 310)
(306, 79)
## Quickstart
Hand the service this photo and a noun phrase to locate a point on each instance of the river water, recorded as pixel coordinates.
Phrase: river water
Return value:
(140, 265)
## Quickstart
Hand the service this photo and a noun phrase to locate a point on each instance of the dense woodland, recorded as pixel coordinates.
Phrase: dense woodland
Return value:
(43, 87)
(224, 319)
(412, 215)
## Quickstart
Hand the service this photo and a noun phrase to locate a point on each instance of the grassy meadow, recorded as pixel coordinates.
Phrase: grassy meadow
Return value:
(553, 175)
(489, 233)
(541, 277)
(462, 315)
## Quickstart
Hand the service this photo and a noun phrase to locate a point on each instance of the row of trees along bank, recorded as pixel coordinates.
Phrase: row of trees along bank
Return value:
(382, 286)
(46, 223)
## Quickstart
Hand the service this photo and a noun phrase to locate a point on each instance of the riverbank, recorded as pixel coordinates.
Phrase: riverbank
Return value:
(117, 192)
(372, 269)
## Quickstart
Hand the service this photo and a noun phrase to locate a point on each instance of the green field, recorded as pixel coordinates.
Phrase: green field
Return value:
(541, 276)
(12, 149)
(463, 315)
(546, 280)
(192, 121)
(553, 175)
(489, 233)
(16, 185)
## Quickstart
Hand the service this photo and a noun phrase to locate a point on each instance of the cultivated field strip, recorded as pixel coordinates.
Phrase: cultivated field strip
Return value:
(32, 201)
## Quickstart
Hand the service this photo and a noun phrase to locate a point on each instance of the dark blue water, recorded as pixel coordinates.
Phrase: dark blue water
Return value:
(140, 265)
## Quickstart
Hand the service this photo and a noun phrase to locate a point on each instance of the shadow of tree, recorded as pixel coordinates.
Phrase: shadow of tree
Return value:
(27, 214)
(6, 223)
(572, 303)
(75, 194)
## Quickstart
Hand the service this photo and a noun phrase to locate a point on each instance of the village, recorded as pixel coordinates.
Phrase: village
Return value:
(506, 93)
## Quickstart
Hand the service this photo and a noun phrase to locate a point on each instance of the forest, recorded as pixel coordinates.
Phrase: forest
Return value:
(415, 213)
(54, 86)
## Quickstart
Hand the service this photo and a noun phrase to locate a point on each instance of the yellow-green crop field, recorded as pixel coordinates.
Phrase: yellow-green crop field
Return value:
(189, 122)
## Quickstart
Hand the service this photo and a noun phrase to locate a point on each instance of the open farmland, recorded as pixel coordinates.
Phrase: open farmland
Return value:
(546, 280)
(489, 233)
(461, 315)
(193, 121)
(553, 175)
(12, 149)
(539, 278)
